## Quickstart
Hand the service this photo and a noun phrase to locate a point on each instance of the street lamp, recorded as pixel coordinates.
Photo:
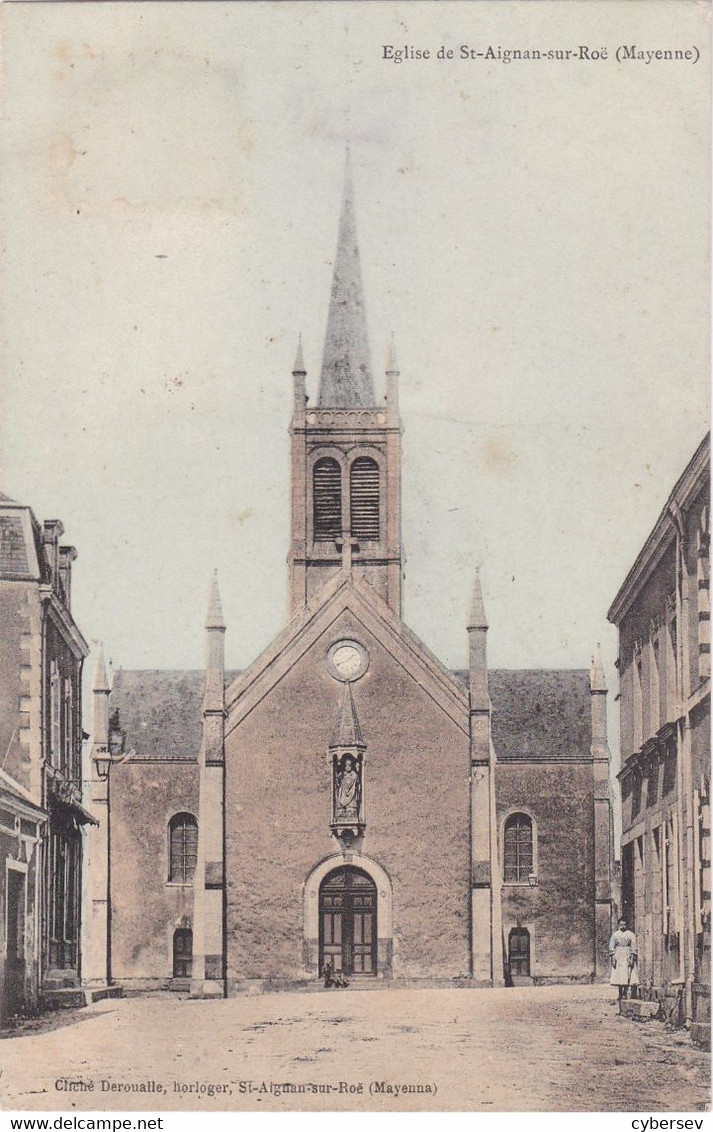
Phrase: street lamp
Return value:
(103, 761)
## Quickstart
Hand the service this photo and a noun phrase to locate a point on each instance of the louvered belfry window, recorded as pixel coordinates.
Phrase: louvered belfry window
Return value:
(183, 837)
(327, 498)
(518, 849)
(364, 494)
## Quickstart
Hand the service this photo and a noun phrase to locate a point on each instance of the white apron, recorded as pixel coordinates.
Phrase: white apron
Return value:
(624, 966)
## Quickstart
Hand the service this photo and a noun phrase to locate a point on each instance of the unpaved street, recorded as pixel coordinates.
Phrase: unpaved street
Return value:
(534, 1048)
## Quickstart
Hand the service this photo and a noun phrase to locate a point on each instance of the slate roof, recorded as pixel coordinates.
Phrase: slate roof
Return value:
(13, 550)
(346, 379)
(539, 715)
(160, 712)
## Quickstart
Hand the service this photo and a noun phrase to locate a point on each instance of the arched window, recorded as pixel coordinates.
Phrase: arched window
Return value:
(183, 848)
(327, 498)
(518, 849)
(364, 495)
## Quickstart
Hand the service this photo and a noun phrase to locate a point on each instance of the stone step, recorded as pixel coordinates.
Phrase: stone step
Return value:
(96, 994)
(638, 1010)
(71, 998)
(60, 982)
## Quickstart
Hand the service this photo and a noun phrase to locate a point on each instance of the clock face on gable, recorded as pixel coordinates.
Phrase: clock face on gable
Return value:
(347, 661)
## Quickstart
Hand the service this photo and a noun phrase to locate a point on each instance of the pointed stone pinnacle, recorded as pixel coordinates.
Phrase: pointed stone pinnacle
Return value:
(597, 680)
(346, 380)
(392, 366)
(214, 618)
(101, 684)
(477, 619)
(347, 732)
(298, 369)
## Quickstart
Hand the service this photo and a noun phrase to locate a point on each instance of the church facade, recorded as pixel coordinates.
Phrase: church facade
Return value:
(347, 799)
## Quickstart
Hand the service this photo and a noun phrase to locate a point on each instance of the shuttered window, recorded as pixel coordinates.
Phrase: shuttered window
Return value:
(55, 714)
(364, 494)
(327, 498)
(183, 839)
(518, 849)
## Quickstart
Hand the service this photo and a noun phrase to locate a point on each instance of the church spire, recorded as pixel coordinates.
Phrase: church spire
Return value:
(101, 684)
(346, 380)
(298, 369)
(597, 680)
(214, 618)
(392, 366)
(477, 619)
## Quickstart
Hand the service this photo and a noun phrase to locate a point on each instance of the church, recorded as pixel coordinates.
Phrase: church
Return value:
(347, 799)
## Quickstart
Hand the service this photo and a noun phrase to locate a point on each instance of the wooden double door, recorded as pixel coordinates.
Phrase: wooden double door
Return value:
(347, 922)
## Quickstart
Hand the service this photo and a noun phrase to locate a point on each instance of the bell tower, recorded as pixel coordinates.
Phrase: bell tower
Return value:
(346, 450)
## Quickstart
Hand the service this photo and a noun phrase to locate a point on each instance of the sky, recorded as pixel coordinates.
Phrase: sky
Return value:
(535, 235)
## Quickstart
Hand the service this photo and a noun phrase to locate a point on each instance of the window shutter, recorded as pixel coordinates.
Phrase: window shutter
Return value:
(327, 499)
(55, 714)
(365, 499)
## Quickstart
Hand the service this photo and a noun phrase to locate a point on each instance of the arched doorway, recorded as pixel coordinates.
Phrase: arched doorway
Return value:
(182, 953)
(519, 953)
(347, 922)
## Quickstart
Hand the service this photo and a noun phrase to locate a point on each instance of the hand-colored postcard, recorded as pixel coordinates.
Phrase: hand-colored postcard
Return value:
(354, 556)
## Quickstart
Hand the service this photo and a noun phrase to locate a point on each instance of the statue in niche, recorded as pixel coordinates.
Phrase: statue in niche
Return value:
(347, 789)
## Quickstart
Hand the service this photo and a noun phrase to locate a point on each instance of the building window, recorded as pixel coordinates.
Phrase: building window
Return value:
(704, 605)
(655, 681)
(703, 830)
(518, 855)
(364, 497)
(55, 714)
(182, 953)
(67, 760)
(669, 875)
(638, 701)
(327, 498)
(183, 848)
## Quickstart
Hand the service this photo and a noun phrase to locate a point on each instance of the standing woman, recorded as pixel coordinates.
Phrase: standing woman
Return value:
(623, 955)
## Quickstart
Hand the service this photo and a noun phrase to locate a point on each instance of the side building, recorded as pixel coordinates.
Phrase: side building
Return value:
(41, 812)
(662, 612)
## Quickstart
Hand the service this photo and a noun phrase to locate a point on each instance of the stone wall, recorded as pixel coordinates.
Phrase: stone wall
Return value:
(278, 809)
(20, 690)
(146, 908)
(558, 910)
